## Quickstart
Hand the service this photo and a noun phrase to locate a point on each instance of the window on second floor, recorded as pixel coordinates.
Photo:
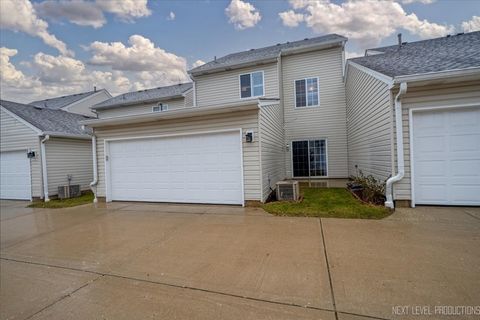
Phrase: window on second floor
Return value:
(160, 107)
(251, 85)
(307, 93)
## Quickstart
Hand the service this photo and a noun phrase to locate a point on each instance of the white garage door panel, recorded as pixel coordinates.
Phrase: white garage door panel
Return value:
(15, 175)
(446, 148)
(191, 169)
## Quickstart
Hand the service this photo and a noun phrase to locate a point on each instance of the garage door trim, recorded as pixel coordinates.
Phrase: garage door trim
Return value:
(410, 132)
(30, 198)
(107, 153)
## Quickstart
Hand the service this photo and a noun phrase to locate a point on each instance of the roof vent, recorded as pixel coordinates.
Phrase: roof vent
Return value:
(38, 108)
(278, 44)
(305, 39)
(460, 33)
(399, 40)
(449, 35)
(252, 49)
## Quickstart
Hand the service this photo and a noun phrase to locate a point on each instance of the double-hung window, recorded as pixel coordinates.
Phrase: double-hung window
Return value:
(251, 85)
(309, 158)
(307, 93)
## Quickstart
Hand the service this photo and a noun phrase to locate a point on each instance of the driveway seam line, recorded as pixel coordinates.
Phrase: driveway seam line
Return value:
(64, 297)
(171, 285)
(328, 269)
(188, 288)
(471, 215)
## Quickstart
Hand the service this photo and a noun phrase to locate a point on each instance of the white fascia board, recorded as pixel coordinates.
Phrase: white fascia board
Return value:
(173, 114)
(20, 119)
(377, 75)
(66, 135)
(438, 75)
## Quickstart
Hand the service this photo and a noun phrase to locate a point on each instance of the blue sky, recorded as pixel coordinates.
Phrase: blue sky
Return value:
(183, 32)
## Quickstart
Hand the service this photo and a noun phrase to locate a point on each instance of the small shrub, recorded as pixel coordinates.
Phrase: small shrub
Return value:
(368, 188)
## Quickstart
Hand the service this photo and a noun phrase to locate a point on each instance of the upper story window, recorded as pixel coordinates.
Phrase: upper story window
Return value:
(306, 93)
(160, 107)
(251, 85)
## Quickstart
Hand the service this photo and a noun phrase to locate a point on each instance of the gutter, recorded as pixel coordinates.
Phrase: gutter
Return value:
(93, 184)
(44, 167)
(400, 157)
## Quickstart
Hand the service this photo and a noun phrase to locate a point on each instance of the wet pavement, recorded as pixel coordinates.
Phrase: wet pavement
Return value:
(162, 261)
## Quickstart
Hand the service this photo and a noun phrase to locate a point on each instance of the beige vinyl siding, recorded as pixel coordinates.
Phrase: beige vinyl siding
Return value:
(466, 93)
(224, 87)
(326, 121)
(247, 120)
(369, 125)
(139, 108)
(68, 156)
(188, 101)
(15, 135)
(272, 147)
(83, 106)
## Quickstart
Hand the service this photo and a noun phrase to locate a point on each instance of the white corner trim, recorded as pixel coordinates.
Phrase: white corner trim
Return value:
(23, 121)
(377, 75)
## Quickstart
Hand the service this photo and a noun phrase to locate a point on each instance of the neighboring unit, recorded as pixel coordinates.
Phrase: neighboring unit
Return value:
(413, 114)
(79, 103)
(39, 149)
(248, 120)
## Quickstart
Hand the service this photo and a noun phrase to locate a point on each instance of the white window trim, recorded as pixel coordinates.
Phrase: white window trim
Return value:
(251, 85)
(295, 92)
(164, 105)
(326, 158)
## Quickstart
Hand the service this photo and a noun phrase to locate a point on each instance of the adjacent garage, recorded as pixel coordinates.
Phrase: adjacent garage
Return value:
(196, 168)
(446, 156)
(15, 175)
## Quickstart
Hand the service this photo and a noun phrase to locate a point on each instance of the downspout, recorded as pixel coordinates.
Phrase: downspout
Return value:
(93, 184)
(400, 159)
(44, 168)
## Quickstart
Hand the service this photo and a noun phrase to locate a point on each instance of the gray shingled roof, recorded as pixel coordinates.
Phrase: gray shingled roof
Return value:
(264, 53)
(48, 120)
(156, 94)
(60, 102)
(441, 54)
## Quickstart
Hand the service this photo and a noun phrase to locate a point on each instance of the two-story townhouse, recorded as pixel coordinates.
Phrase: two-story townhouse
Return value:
(249, 120)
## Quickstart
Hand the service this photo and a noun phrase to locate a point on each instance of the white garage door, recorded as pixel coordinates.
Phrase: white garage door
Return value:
(203, 168)
(446, 149)
(15, 175)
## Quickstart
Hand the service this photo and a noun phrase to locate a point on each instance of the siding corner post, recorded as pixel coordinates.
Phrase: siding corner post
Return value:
(44, 167)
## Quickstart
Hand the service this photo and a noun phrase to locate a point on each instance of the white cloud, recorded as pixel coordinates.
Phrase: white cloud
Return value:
(20, 15)
(290, 18)
(78, 12)
(353, 54)
(242, 14)
(91, 13)
(471, 25)
(198, 63)
(126, 10)
(141, 56)
(420, 1)
(10, 77)
(367, 22)
(171, 16)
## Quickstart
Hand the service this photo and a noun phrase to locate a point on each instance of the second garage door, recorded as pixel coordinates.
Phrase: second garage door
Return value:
(446, 155)
(15, 175)
(203, 168)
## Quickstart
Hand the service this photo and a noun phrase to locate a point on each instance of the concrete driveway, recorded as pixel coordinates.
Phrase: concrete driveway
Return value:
(131, 261)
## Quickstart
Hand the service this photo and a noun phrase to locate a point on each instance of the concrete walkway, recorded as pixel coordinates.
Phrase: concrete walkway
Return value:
(131, 260)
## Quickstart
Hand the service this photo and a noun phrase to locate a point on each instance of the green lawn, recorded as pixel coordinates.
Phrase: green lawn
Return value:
(57, 203)
(330, 203)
